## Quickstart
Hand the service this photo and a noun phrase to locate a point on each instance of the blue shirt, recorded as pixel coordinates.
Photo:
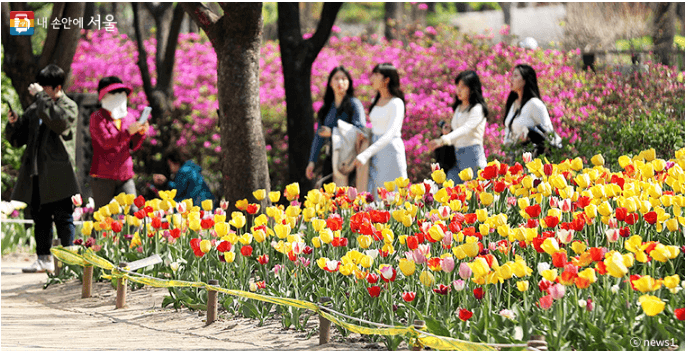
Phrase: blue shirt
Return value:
(358, 120)
(190, 184)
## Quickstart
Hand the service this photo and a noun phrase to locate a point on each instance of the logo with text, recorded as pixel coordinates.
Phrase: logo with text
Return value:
(21, 22)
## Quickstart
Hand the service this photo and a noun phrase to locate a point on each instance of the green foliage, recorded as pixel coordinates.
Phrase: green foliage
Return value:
(361, 12)
(14, 237)
(11, 157)
(269, 12)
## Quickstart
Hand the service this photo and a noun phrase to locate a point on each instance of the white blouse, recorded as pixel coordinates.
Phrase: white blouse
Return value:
(468, 128)
(532, 113)
(387, 121)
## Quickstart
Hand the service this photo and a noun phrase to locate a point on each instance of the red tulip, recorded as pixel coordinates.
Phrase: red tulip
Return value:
(412, 242)
(546, 302)
(262, 259)
(156, 222)
(140, 214)
(680, 313)
(478, 293)
(441, 289)
(543, 285)
(374, 291)
(499, 187)
(489, 172)
(547, 169)
(372, 278)
(334, 222)
(408, 296)
(465, 314)
(246, 250)
(175, 233)
(551, 221)
(207, 223)
(533, 211)
(224, 246)
(139, 201)
(650, 217)
(631, 218)
(196, 247)
(621, 213)
(559, 259)
(116, 226)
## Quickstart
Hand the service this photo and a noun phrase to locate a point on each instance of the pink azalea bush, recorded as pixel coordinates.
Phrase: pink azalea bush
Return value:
(427, 64)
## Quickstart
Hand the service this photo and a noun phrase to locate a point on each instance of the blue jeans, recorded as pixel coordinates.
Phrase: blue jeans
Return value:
(467, 157)
(59, 212)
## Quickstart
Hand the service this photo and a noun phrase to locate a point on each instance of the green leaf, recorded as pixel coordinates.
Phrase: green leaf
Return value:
(435, 327)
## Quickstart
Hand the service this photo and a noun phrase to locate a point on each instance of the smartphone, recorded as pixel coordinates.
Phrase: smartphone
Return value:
(10, 106)
(144, 115)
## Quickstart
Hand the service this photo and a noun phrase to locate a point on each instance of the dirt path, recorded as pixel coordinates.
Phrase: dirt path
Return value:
(58, 319)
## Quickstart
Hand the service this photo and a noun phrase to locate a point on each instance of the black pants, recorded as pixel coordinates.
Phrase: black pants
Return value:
(44, 215)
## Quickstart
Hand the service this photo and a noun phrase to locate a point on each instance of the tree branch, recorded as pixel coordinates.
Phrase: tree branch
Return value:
(318, 40)
(53, 36)
(165, 70)
(20, 43)
(142, 60)
(205, 18)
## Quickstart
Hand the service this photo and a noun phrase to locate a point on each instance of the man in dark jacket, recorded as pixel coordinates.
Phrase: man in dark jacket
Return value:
(46, 179)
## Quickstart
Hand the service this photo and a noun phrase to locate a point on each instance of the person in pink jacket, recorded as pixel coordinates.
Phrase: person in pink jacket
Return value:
(114, 135)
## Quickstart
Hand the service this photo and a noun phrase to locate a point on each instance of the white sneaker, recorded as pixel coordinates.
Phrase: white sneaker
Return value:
(39, 266)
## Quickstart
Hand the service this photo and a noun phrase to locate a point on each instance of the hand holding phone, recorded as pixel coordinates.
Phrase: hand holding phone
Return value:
(144, 115)
(12, 116)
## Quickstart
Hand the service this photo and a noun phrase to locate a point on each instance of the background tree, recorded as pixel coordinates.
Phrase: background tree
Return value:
(235, 36)
(21, 65)
(393, 18)
(298, 55)
(663, 31)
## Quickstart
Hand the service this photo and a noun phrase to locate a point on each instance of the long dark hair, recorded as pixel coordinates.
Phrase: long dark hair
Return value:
(530, 90)
(346, 105)
(475, 88)
(389, 71)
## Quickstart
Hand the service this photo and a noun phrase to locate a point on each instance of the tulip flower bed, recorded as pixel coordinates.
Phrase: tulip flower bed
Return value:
(580, 103)
(590, 257)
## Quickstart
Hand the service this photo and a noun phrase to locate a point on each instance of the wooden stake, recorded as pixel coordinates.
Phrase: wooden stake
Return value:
(324, 324)
(121, 289)
(212, 303)
(56, 262)
(87, 283)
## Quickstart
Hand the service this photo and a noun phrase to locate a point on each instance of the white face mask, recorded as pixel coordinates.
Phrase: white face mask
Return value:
(116, 104)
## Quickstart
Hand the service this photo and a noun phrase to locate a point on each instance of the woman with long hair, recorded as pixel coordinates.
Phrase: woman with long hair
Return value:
(468, 126)
(386, 154)
(339, 104)
(524, 108)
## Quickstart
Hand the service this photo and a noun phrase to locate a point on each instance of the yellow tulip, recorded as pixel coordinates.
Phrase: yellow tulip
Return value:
(246, 239)
(549, 274)
(259, 235)
(466, 174)
(661, 253)
(260, 194)
(577, 164)
(364, 241)
(205, 246)
(366, 261)
(652, 305)
(293, 191)
(591, 211)
(316, 242)
(229, 256)
(486, 198)
(282, 230)
(427, 279)
(671, 282)
(597, 160)
(523, 203)
(624, 161)
(274, 196)
(479, 267)
(647, 284)
(471, 248)
(207, 205)
(407, 267)
(439, 176)
(522, 285)
(221, 228)
(578, 247)
(194, 224)
(615, 265)
(605, 209)
(441, 196)
(550, 246)
(326, 235)
(87, 228)
(589, 274)
(238, 220)
(436, 232)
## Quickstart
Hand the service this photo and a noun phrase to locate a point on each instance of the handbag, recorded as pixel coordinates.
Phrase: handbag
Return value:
(446, 157)
(544, 141)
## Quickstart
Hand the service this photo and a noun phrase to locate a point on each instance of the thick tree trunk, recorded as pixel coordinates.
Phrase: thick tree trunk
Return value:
(236, 37)
(21, 65)
(298, 56)
(393, 15)
(664, 29)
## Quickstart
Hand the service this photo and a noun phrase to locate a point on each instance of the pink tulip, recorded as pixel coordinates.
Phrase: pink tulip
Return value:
(465, 271)
(546, 302)
(447, 264)
(557, 291)
(459, 285)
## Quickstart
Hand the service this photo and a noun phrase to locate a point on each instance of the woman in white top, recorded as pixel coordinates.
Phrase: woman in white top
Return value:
(386, 154)
(524, 109)
(468, 126)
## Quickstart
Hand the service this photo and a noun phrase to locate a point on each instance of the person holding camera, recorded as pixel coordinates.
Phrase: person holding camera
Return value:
(114, 134)
(468, 126)
(46, 180)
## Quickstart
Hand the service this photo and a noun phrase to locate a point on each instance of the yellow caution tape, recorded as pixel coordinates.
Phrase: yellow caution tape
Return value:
(437, 342)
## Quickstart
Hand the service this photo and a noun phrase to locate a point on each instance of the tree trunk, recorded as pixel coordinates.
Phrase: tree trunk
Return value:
(89, 11)
(506, 10)
(462, 7)
(664, 29)
(162, 16)
(298, 56)
(681, 14)
(21, 65)
(236, 38)
(393, 15)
